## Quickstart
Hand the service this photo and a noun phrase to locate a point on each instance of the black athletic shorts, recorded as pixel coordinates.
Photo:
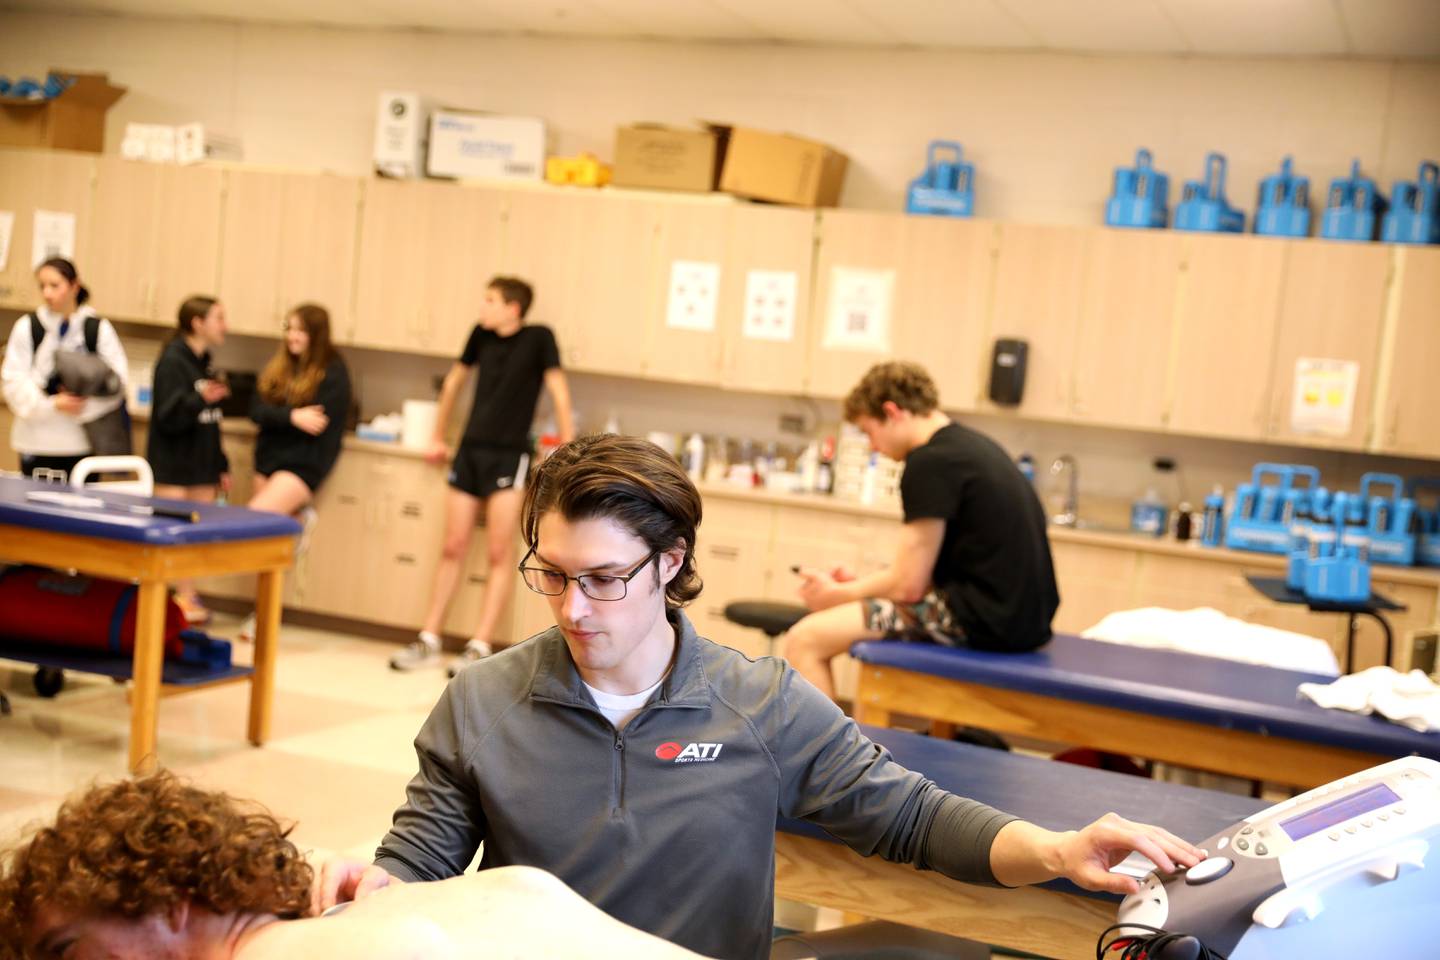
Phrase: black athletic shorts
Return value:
(481, 471)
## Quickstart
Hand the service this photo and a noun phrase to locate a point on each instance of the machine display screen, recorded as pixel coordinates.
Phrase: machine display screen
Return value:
(1338, 811)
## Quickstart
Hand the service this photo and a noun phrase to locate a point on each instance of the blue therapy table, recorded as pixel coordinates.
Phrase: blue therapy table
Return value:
(1054, 920)
(113, 541)
(1205, 712)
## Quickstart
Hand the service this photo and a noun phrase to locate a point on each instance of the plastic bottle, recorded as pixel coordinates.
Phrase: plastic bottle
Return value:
(809, 467)
(1213, 528)
(867, 481)
(1026, 463)
(695, 457)
(825, 472)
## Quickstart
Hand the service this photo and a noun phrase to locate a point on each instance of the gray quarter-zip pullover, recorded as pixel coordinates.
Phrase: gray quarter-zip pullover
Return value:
(669, 825)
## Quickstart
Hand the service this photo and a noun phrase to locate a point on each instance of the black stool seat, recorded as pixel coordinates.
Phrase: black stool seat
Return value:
(773, 618)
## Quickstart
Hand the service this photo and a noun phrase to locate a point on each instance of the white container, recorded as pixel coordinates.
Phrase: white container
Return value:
(485, 146)
(195, 143)
(401, 128)
(417, 419)
(154, 142)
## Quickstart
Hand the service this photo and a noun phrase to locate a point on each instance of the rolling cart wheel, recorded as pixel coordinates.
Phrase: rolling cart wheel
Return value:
(49, 681)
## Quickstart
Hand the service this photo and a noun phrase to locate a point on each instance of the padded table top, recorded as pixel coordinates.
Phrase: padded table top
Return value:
(1164, 683)
(1058, 796)
(115, 522)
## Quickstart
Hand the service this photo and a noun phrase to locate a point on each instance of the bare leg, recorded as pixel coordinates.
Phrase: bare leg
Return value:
(281, 492)
(502, 528)
(185, 589)
(461, 512)
(822, 636)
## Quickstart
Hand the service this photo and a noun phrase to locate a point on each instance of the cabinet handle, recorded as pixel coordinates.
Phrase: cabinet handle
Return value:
(349, 499)
(1394, 429)
(406, 558)
(474, 578)
(725, 553)
(411, 509)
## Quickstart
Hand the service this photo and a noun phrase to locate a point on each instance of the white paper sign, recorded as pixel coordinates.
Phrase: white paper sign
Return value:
(694, 294)
(7, 230)
(859, 312)
(770, 305)
(1324, 396)
(54, 237)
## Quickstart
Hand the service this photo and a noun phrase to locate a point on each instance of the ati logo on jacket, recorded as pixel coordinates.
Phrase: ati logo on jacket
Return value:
(690, 753)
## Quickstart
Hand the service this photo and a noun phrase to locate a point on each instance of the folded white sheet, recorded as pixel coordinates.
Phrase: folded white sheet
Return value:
(1412, 699)
(1211, 633)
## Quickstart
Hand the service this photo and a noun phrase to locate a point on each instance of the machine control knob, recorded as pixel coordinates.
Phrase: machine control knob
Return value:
(1206, 870)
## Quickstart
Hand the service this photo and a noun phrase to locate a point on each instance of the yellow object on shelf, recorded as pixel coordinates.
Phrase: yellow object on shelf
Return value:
(585, 170)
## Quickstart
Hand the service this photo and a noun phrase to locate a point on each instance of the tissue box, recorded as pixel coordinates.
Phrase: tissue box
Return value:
(485, 146)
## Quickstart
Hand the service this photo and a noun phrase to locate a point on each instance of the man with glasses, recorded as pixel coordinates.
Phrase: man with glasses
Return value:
(645, 765)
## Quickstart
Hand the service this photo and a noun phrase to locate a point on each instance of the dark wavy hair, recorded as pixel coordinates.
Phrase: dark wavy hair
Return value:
(630, 481)
(134, 848)
(902, 383)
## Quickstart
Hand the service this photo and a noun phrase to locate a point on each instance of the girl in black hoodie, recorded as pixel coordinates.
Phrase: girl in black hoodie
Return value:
(184, 445)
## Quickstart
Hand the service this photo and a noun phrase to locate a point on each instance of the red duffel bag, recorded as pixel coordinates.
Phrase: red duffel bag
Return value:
(49, 608)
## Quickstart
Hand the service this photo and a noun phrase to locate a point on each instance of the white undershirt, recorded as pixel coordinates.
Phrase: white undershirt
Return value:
(618, 709)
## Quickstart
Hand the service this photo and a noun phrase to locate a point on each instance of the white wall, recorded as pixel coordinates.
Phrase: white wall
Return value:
(1045, 129)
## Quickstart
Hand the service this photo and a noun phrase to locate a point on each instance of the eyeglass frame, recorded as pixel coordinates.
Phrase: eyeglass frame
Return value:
(625, 580)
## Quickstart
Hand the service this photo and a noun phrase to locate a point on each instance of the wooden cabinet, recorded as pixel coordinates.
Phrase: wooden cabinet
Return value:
(1127, 302)
(1225, 327)
(1093, 581)
(154, 238)
(1332, 305)
(613, 247)
(772, 239)
(57, 181)
(289, 239)
(427, 251)
(853, 240)
(686, 233)
(734, 559)
(1037, 273)
(541, 240)
(1406, 423)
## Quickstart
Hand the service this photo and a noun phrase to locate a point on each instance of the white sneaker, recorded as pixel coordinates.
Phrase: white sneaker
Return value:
(423, 651)
(474, 650)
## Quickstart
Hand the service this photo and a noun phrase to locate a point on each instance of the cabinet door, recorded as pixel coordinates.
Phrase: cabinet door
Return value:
(187, 242)
(1407, 424)
(1127, 305)
(540, 243)
(686, 233)
(56, 181)
(614, 251)
(120, 263)
(462, 252)
(944, 287)
(732, 555)
(288, 239)
(853, 240)
(1093, 582)
(389, 311)
(328, 578)
(1037, 277)
(1225, 335)
(1331, 307)
(318, 229)
(777, 240)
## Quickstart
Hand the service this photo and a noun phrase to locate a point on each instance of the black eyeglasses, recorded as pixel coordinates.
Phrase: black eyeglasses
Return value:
(596, 586)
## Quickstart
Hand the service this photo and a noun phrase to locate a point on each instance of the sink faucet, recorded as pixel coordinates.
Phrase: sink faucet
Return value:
(1068, 514)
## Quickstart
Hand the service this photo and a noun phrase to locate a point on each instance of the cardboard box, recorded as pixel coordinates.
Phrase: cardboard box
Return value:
(402, 127)
(485, 146)
(781, 168)
(657, 157)
(75, 120)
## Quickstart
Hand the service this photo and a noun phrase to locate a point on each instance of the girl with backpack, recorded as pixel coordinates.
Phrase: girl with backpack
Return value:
(50, 429)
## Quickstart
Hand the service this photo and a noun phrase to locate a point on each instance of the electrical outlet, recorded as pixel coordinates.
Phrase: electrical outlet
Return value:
(792, 423)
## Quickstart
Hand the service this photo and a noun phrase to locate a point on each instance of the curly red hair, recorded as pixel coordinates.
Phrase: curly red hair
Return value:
(136, 847)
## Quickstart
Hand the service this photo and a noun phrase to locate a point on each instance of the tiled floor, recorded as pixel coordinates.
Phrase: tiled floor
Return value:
(337, 762)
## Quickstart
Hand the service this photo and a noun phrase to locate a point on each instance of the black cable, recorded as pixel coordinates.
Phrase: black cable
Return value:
(1151, 943)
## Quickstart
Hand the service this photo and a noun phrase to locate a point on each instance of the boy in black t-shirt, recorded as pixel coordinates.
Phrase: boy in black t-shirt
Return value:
(973, 566)
(514, 360)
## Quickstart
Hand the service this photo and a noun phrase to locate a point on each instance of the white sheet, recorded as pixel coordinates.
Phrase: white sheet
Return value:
(1211, 633)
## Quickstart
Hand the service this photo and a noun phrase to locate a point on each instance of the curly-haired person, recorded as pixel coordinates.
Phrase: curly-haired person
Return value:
(157, 868)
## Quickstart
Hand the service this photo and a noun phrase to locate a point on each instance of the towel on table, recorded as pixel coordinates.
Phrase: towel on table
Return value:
(1410, 699)
(1210, 633)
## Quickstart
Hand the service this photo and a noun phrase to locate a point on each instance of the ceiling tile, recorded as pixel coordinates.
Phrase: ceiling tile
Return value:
(1393, 28)
(976, 24)
(1284, 27)
(810, 21)
(1116, 25)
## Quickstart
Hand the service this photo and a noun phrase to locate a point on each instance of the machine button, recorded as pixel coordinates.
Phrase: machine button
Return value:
(1207, 870)
(1224, 842)
(1383, 817)
(1247, 830)
(1242, 844)
(1261, 850)
(1334, 834)
(1400, 810)
(1367, 823)
(1350, 829)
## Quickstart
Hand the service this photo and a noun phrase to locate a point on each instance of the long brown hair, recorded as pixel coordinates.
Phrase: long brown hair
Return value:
(294, 380)
(630, 481)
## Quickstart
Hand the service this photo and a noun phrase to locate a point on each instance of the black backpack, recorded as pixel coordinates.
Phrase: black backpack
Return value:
(92, 344)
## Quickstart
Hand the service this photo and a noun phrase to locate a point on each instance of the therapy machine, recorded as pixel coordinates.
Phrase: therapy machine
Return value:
(1341, 871)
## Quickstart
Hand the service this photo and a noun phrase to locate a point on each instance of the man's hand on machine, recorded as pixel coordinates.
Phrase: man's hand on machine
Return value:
(343, 879)
(1031, 854)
